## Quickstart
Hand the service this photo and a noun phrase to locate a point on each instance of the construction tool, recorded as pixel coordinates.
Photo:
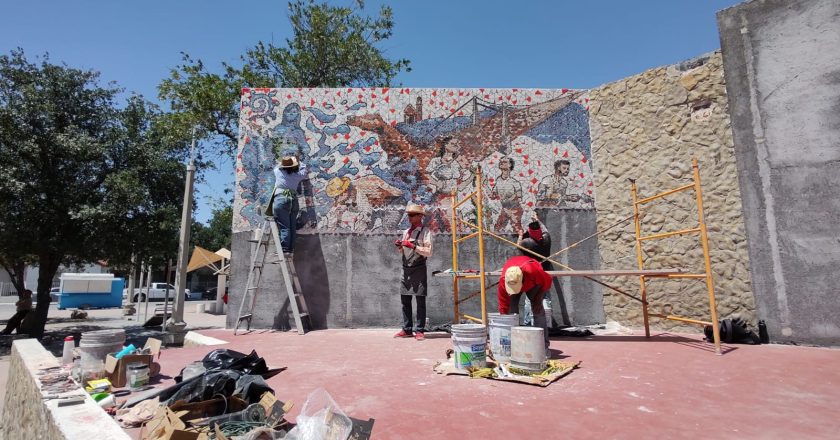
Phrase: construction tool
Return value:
(297, 302)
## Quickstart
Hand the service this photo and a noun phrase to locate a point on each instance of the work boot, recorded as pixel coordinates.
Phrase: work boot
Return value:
(419, 336)
(402, 334)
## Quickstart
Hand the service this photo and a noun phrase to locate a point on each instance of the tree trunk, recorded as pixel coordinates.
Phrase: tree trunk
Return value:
(17, 272)
(35, 322)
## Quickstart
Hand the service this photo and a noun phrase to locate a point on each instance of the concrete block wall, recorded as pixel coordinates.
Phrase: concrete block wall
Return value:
(27, 416)
(781, 59)
(648, 127)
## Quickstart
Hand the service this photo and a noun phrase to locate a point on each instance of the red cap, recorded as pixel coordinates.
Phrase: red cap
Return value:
(69, 338)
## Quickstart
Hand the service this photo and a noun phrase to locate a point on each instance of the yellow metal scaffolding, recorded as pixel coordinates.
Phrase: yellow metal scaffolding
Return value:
(704, 240)
(479, 232)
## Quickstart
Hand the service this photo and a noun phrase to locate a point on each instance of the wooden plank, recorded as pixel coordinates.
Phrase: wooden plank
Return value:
(585, 273)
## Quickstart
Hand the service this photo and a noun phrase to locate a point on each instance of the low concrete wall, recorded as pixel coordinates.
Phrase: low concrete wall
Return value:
(352, 280)
(27, 416)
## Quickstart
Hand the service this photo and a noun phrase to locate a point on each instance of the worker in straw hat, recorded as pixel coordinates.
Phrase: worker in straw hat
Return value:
(415, 246)
(524, 274)
(288, 173)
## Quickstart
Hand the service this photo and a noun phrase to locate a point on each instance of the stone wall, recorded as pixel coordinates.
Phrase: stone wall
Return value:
(26, 415)
(648, 127)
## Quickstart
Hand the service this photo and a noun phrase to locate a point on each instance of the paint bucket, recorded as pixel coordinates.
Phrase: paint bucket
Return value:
(527, 348)
(469, 342)
(500, 326)
(95, 345)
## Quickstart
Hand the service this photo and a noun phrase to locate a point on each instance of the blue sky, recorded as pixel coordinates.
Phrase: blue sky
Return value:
(463, 43)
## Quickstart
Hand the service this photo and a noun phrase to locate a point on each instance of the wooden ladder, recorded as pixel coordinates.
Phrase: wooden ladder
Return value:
(297, 302)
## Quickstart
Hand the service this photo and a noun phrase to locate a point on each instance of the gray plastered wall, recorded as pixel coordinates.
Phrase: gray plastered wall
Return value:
(782, 63)
(352, 280)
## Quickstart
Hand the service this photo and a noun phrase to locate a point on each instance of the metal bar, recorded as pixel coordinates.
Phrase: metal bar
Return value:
(470, 276)
(638, 227)
(454, 226)
(704, 239)
(472, 318)
(663, 194)
(480, 220)
(537, 256)
(686, 275)
(680, 318)
(597, 233)
(466, 199)
(466, 237)
(470, 296)
(668, 234)
(467, 223)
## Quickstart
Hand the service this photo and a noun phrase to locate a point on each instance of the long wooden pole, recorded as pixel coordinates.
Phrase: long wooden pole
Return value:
(454, 226)
(479, 203)
(639, 259)
(704, 239)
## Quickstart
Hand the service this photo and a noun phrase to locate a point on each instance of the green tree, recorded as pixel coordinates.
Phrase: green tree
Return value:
(331, 46)
(80, 178)
(216, 234)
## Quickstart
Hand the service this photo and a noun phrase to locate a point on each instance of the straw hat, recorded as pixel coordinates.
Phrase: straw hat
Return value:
(337, 185)
(288, 162)
(513, 280)
(414, 208)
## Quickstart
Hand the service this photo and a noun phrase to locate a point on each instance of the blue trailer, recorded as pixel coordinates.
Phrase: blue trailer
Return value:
(90, 290)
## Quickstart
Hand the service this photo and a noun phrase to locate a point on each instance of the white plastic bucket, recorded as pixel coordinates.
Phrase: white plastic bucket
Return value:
(469, 342)
(498, 318)
(527, 348)
(500, 341)
(95, 345)
(469, 352)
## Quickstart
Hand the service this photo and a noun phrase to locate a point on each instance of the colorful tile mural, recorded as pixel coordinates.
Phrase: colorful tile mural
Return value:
(371, 151)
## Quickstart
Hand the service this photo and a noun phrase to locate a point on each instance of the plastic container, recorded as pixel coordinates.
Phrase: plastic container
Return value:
(92, 369)
(137, 374)
(126, 350)
(527, 348)
(469, 342)
(96, 345)
(500, 326)
(67, 351)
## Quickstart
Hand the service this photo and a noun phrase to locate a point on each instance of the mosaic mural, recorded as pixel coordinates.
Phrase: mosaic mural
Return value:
(371, 151)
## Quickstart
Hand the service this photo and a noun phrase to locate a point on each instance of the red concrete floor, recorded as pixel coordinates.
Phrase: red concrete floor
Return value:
(627, 387)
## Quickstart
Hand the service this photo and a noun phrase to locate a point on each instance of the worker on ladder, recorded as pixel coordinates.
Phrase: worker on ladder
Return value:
(288, 173)
(415, 247)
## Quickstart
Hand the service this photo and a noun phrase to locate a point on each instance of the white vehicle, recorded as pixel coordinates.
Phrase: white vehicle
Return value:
(157, 291)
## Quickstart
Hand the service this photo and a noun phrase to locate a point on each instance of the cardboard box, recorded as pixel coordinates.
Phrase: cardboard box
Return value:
(116, 368)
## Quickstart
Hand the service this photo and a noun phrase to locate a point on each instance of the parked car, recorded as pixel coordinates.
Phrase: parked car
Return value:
(157, 291)
(210, 293)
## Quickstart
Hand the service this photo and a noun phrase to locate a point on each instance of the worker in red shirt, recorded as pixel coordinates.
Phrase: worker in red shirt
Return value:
(524, 274)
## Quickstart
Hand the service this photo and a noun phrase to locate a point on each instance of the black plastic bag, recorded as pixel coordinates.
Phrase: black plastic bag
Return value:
(733, 331)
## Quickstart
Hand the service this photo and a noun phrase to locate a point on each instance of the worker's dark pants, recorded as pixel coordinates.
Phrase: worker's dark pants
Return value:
(14, 322)
(408, 323)
(535, 295)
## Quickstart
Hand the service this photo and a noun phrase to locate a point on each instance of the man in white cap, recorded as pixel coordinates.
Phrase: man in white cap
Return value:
(415, 246)
(524, 274)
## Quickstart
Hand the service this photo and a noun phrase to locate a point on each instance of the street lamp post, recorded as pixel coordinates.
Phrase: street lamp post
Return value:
(175, 325)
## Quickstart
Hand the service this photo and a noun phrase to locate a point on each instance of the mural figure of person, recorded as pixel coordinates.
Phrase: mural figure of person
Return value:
(553, 190)
(345, 203)
(508, 191)
(290, 136)
(446, 174)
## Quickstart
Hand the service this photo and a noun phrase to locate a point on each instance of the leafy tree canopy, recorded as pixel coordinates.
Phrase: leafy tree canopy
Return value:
(81, 178)
(331, 46)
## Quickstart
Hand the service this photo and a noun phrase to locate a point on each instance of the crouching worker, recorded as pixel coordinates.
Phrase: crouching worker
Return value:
(520, 275)
(415, 246)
